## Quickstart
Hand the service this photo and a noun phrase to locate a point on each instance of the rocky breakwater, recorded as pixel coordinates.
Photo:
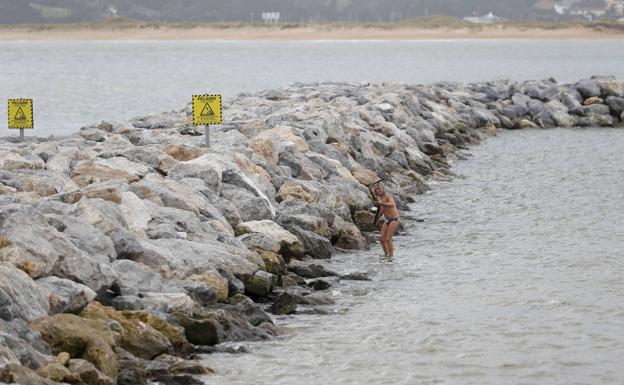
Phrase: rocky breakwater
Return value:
(126, 248)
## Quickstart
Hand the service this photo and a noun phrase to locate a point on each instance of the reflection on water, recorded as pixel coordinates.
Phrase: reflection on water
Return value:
(514, 277)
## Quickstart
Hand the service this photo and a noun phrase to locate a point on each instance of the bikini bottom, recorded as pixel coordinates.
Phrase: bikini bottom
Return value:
(390, 220)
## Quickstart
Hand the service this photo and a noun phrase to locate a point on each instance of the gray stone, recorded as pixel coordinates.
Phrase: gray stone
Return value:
(312, 223)
(260, 241)
(314, 245)
(169, 193)
(609, 85)
(286, 303)
(348, 236)
(313, 271)
(66, 296)
(260, 284)
(228, 210)
(82, 269)
(250, 207)
(135, 278)
(31, 244)
(88, 372)
(289, 245)
(594, 120)
(535, 107)
(127, 302)
(16, 374)
(554, 114)
(155, 122)
(588, 88)
(200, 292)
(14, 350)
(598, 109)
(20, 328)
(185, 258)
(572, 104)
(522, 102)
(175, 221)
(85, 237)
(20, 297)
(355, 276)
(205, 168)
(616, 104)
(319, 284)
(151, 156)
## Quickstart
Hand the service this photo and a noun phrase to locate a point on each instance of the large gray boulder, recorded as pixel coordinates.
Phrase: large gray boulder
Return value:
(598, 109)
(169, 193)
(348, 236)
(85, 237)
(314, 245)
(20, 297)
(104, 215)
(169, 222)
(82, 269)
(609, 85)
(260, 284)
(135, 278)
(521, 101)
(208, 168)
(554, 114)
(151, 156)
(66, 296)
(7, 356)
(289, 245)
(616, 104)
(597, 120)
(588, 88)
(31, 244)
(260, 241)
(184, 258)
(573, 104)
(250, 206)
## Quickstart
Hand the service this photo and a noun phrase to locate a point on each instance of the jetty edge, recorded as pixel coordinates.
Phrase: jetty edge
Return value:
(126, 248)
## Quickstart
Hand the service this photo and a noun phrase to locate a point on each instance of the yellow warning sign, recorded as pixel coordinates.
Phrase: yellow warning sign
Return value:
(206, 110)
(21, 113)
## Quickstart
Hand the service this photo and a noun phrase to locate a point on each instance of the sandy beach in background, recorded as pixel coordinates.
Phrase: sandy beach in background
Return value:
(299, 33)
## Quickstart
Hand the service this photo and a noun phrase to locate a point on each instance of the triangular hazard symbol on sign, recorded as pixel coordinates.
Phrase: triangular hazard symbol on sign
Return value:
(207, 111)
(20, 114)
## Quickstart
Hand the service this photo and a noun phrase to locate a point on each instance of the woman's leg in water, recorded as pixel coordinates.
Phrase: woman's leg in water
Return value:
(383, 238)
(389, 234)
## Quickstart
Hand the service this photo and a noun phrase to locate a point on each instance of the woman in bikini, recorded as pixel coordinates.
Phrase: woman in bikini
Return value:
(386, 204)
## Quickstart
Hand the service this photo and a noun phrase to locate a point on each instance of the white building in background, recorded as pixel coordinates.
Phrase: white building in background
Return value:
(486, 19)
(563, 6)
(589, 9)
(617, 6)
(270, 17)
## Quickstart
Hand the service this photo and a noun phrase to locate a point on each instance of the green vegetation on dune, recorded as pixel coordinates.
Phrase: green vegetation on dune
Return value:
(426, 23)
(51, 13)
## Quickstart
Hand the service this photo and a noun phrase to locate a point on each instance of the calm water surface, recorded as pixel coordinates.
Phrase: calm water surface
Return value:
(515, 277)
(76, 83)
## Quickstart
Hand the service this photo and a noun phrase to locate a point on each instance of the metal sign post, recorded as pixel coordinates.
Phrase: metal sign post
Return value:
(207, 112)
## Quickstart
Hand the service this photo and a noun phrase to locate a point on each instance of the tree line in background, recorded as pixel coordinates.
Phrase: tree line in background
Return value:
(64, 11)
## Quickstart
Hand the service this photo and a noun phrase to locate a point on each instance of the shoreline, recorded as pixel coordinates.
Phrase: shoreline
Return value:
(300, 33)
